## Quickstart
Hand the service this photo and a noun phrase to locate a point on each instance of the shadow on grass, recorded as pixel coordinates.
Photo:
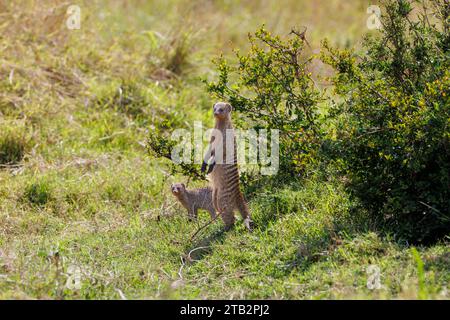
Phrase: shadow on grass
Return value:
(201, 248)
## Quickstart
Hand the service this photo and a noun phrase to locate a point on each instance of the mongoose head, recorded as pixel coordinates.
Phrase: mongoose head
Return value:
(222, 110)
(178, 189)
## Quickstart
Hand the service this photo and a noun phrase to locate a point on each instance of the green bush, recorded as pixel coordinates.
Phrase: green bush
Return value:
(159, 145)
(271, 88)
(392, 126)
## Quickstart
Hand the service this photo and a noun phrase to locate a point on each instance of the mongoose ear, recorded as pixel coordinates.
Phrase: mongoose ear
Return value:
(184, 187)
(229, 107)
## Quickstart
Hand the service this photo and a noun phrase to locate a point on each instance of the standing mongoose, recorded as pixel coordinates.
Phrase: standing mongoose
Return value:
(224, 170)
(194, 199)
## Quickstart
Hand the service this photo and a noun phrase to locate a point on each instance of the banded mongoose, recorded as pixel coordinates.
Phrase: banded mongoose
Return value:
(194, 199)
(224, 170)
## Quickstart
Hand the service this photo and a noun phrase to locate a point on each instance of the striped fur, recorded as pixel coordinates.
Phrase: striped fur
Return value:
(227, 196)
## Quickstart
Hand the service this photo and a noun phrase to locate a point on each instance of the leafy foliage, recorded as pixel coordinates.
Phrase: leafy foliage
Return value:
(272, 88)
(392, 133)
(160, 146)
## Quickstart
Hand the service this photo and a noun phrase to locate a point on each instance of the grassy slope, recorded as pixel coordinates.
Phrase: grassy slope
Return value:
(87, 194)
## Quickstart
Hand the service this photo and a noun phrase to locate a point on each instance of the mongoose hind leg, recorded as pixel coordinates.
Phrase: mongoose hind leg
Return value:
(228, 219)
(215, 200)
(226, 213)
(241, 205)
(249, 224)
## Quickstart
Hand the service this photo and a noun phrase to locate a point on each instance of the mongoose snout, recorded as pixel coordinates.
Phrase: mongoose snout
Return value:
(221, 110)
(178, 188)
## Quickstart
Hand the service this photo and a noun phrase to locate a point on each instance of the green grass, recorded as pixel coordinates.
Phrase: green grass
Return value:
(78, 188)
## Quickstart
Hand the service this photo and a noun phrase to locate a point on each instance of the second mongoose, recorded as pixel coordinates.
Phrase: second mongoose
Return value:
(194, 199)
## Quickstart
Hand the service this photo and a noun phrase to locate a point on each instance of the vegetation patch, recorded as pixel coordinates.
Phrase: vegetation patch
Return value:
(86, 118)
(14, 143)
(38, 193)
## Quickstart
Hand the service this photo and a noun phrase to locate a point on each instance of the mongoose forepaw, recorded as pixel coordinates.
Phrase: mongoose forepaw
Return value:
(211, 167)
(204, 165)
